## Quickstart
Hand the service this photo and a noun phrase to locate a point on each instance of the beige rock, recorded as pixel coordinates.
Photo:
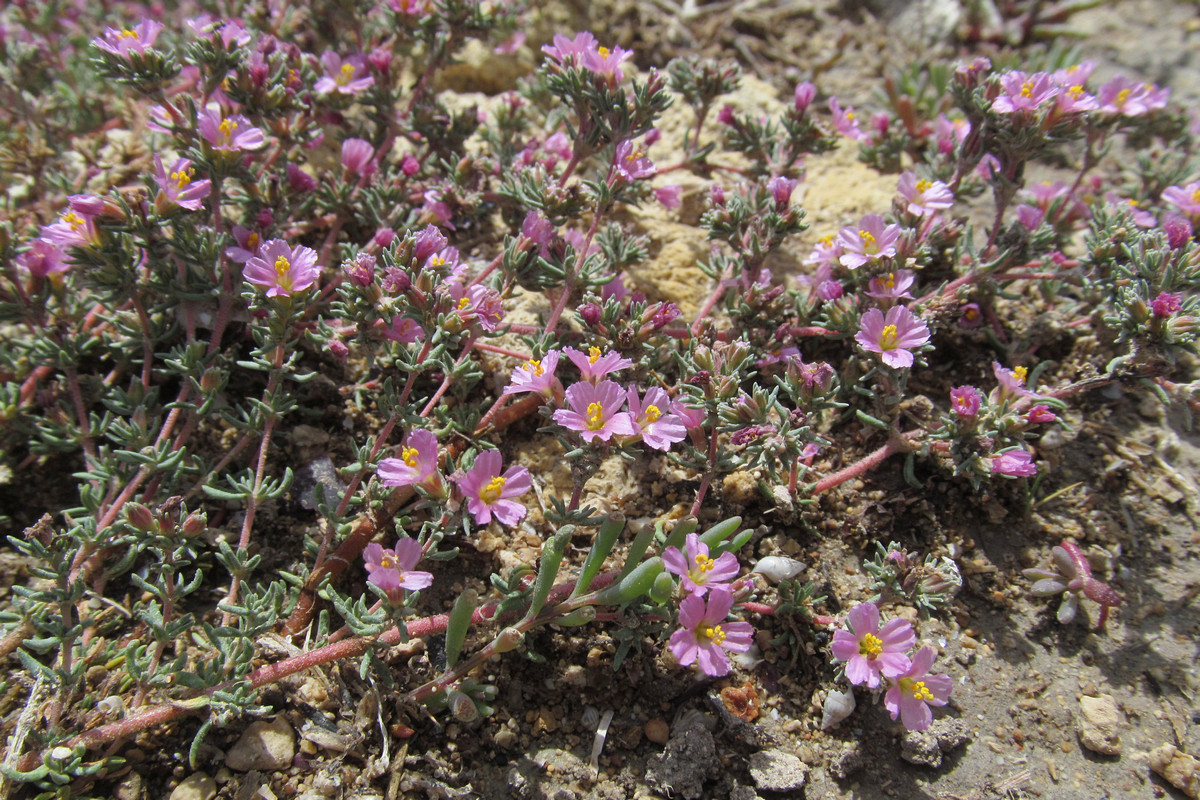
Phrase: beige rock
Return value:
(1177, 768)
(264, 746)
(1098, 722)
(197, 786)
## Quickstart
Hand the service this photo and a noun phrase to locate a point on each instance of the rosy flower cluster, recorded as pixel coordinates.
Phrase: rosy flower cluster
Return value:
(1064, 92)
(878, 656)
(969, 406)
(704, 637)
(490, 491)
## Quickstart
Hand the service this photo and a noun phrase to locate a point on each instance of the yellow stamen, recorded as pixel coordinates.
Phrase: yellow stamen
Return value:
(712, 634)
(183, 177)
(603, 51)
(1075, 91)
(923, 186)
(703, 562)
(868, 240)
(918, 689)
(387, 561)
(128, 34)
(826, 240)
(1195, 197)
(1122, 96)
(1027, 89)
(409, 456)
(595, 416)
(1019, 373)
(850, 116)
(535, 368)
(593, 355)
(890, 281)
(282, 265)
(73, 219)
(491, 493)
(227, 127)
(651, 413)
(462, 304)
(887, 339)
(870, 646)
(252, 242)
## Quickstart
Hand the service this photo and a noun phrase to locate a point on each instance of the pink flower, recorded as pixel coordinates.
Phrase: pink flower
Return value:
(178, 188)
(668, 195)
(630, 163)
(129, 40)
(781, 191)
(43, 258)
(75, 228)
(1127, 98)
(1185, 198)
(535, 375)
(475, 303)
(704, 636)
(845, 122)
(1016, 463)
(825, 253)
(489, 493)
(1030, 216)
(692, 417)
(1021, 92)
(870, 651)
(248, 243)
(1040, 414)
(697, 571)
(1012, 381)
(343, 77)
(595, 365)
(392, 570)
(569, 51)
(417, 464)
(404, 330)
(228, 134)
(912, 693)
(893, 336)
(357, 155)
(965, 400)
(805, 94)
(873, 239)
(1166, 304)
(892, 285)
(1178, 230)
(971, 317)
(282, 269)
(652, 418)
(924, 198)
(607, 63)
(595, 411)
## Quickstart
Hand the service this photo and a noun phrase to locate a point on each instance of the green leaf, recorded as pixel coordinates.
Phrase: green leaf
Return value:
(458, 625)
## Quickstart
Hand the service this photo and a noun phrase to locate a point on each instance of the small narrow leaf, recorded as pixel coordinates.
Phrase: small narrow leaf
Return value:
(458, 625)
(606, 538)
(552, 556)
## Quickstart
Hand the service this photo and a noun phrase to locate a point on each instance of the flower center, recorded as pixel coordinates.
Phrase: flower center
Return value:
(870, 646)
(651, 413)
(73, 219)
(345, 76)
(1027, 89)
(710, 634)
(1019, 373)
(849, 116)
(128, 34)
(923, 186)
(703, 562)
(409, 456)
(918, 689)
(603, 51)
(282, 265)
(826, 240)
(252, 241)
(593, 355)
(535, 368)
(1122, 96)
(227, 127)
(182, 177)
(463, 303)
(1075, 91)
(491, 493)
(595, 416)
(887, 339)
(890, 281)
(387, 561)
(1196, 196)
(868, 240)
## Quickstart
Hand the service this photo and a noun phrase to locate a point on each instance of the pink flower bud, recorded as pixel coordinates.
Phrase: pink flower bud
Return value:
(410, 166)
(590, 314)
(384, 237)
(805, 94)
(1178, 230)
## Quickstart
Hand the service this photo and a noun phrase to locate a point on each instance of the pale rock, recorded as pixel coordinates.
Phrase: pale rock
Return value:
(1177, 768)
(1098, 721)
(264, 746)
(777, 771)
(197, 786)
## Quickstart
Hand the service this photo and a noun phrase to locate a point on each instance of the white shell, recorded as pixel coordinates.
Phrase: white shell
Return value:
(779, 568)
(838, 706)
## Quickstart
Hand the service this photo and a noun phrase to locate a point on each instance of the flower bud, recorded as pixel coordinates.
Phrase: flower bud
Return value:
(141, 518)
(508, 640)
(195, 524)
(805, 94)
(590, 313)
(461, 706)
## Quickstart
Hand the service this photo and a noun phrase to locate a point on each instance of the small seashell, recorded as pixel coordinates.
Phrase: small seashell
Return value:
(779, 568)
(838, 706)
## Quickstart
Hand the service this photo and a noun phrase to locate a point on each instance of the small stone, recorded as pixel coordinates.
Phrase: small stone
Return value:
(777, 771)
(264, 746)
(197, 786)
(1177, 768)
(927, 747)
(657, 731)
(132, 788)
(1098, 721)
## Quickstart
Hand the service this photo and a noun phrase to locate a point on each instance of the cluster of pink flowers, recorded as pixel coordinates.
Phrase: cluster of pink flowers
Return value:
(704, 637)
(490, 491)
(583, 51)
(876, 656)
(1064, 92)
(969, 405)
